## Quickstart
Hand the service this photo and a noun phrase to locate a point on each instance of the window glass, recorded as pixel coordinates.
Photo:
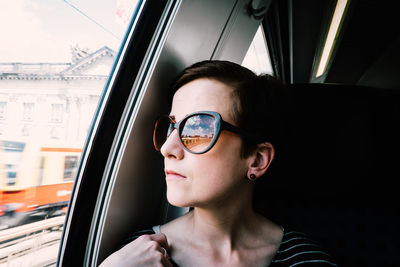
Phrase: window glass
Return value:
(28, 111)
(57, 112)
(257, 57)
(55, 58)
(3, 110)
(70, 167)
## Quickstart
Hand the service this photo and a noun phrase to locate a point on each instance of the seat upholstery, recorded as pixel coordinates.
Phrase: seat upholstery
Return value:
(335, 177)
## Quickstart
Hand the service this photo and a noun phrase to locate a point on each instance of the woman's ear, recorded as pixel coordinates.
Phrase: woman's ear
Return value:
(260, 161)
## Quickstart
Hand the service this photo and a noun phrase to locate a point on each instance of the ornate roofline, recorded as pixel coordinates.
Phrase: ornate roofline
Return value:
(91, 58)
(33, 77)
(55, 71)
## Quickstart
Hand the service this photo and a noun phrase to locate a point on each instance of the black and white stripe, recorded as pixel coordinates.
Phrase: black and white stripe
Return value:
(297, 249)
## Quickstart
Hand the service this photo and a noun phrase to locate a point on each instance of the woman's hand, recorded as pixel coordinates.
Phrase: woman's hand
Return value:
(146, 250)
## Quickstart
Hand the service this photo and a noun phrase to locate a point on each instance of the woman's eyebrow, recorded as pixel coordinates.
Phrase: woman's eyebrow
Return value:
(172, 117)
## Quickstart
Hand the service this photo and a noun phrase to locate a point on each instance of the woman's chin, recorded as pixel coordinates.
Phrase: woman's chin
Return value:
(177, 199)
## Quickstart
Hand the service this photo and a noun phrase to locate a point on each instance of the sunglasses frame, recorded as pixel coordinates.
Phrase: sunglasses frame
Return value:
(219, 126)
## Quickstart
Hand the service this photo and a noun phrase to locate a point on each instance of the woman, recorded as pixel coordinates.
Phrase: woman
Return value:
(216, 142)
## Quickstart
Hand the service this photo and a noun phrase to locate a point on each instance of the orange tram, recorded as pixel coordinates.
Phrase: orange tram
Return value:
(35, 182)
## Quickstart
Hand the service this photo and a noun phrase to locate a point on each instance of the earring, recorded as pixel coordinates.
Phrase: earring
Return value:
(252, 177)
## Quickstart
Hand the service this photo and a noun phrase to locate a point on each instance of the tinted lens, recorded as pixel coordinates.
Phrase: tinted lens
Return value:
(162, 130)
(198, 131)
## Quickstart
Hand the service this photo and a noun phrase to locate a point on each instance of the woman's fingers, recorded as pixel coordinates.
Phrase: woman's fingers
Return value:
(160, 239)
(156, 241)
(146, 250)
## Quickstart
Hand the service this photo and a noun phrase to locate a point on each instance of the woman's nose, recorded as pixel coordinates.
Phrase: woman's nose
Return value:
(172, 147)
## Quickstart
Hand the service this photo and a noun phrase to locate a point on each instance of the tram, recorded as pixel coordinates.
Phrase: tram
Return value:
(36, 181)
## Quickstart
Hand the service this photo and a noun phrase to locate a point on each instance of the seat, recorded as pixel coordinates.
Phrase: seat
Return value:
(335, 173)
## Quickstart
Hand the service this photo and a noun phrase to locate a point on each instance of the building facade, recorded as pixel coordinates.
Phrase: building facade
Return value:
(46, 110)
(52, 103)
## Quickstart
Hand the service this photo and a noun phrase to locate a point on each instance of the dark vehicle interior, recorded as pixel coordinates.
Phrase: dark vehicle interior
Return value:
(335, 174)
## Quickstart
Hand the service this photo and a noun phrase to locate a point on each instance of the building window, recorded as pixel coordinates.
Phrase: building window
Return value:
(3, 110)
(56, 113)
(28, 111)
(70, 167)
(55, 132)
(25, 130)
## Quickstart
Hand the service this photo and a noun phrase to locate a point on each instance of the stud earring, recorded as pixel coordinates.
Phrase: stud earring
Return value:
(252, 177)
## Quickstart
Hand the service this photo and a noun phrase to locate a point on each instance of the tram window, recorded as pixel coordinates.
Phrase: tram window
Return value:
(11, 174)
(70, 167)
(50, 88)
(257, 57)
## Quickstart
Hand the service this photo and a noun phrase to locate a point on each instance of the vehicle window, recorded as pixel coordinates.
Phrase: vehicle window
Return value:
(257, 57)
(55, 59)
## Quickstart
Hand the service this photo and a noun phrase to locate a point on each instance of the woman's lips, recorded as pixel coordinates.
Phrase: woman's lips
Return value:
(172, 175)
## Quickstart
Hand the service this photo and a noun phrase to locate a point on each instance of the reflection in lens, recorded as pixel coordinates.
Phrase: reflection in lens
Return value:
(198, 132)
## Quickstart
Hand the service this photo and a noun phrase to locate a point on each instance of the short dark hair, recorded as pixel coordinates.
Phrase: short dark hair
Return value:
(260, 102)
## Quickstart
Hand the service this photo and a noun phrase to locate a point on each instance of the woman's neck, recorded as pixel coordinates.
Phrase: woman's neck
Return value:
(225, 234)
(223, 225)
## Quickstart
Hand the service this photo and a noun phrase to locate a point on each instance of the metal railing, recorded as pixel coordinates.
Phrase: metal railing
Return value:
(19, 242)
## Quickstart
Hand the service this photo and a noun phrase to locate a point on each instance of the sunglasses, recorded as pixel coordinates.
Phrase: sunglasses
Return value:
(197, 131)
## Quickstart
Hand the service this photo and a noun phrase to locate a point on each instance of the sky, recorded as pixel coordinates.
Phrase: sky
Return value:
(44, 30)
(38, 31)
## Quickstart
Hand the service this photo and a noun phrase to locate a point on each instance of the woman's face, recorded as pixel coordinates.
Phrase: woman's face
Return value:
(198, 180)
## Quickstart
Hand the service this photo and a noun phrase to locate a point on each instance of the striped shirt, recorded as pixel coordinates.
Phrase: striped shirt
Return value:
(296, 249)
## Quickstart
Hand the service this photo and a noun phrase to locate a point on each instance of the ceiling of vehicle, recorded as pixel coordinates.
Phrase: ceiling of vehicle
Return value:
(366, 51)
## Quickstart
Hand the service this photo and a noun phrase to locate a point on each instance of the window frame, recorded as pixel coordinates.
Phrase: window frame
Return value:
(77, 247)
